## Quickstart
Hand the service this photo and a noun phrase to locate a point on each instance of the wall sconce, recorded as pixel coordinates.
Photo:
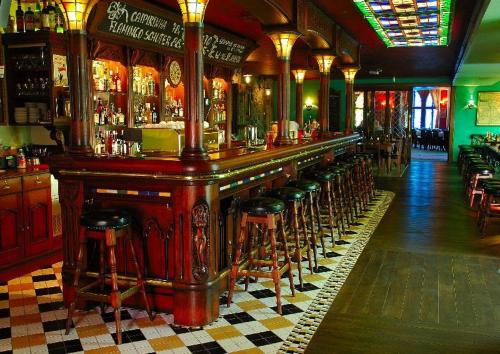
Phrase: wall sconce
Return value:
(247, 78)
(309, 103)
(268, 91)
(75, 10)
(193, 11)
(471, 104)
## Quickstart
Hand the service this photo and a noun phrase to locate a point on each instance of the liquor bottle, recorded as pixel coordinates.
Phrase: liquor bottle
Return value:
(112, 82)
(29, 20)
(181, 109)
(59, 19)
(151, 85)
(121, 117)
(111, 114)
(147, 113)
(45, 17)
(97, 111)
(154, 115)
(102, 115)
(52, 16)
(118, 81)
(105, 81)
(19, 17)
(37, 16)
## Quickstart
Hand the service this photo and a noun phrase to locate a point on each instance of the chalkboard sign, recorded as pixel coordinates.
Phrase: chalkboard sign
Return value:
(166, 31)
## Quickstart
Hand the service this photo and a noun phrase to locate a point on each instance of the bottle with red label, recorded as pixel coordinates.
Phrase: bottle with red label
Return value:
(29, 20)
(19, 17)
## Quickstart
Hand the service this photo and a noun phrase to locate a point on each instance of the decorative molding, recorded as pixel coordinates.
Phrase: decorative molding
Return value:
(152, 225)
(320, 24)
(200, 224)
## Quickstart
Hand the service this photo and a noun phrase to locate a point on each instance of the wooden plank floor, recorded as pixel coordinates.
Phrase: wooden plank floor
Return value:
(426, 282)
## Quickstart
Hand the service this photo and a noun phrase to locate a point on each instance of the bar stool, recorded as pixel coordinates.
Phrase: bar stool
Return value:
(348, 189)
(294, 203)
(361, 189)
(490, 206)
(479, 172)
(325, 178)
(262, 211)
(340, 198)
(312, 190)
(105, 226)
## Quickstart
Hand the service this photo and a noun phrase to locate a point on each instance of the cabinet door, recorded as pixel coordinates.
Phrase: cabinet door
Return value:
(38, 221)
(11, 228)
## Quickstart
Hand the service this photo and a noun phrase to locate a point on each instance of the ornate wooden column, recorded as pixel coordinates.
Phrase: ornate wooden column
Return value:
(193, 12)
(325, 62)
(78, 75)
(299, 88)
(349, 74)
(283, 41)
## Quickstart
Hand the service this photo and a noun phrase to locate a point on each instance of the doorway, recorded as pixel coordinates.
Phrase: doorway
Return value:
(430, 123)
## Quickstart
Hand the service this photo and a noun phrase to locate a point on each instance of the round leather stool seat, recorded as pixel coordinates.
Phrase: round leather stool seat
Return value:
(105, 219)
(305, 184)
(345, 165)
(490, 181)
(364, 155)
(322, 175)
(337, 170)
(492, 190)
(483, 169)
(262, 206)
(471, 155)
(288, 194)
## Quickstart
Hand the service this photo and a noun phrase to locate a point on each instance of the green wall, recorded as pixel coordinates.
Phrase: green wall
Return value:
(311, 90)
(465, 119)
(14, 136)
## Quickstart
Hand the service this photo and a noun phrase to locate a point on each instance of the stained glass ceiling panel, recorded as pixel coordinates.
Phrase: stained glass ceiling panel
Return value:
(408, 23)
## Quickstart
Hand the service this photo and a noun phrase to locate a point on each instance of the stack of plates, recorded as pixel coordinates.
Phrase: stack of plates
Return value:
(21, 115)
(33, 114)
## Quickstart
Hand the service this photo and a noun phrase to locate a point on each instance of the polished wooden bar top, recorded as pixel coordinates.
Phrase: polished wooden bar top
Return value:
(20, 172)
(219, 165)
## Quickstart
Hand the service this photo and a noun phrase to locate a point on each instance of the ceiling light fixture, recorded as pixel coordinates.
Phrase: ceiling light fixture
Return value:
(408, 23)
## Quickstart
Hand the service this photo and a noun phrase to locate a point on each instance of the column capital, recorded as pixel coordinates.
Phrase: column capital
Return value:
(299, 75)
(75, 12)
(283, 41)
(193, 11)
(325, 61)
(349, 72)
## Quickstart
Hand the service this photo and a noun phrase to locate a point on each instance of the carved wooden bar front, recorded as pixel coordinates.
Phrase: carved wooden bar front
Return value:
(185, 215)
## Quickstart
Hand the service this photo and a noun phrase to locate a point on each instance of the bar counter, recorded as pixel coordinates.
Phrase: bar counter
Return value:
(185, 213)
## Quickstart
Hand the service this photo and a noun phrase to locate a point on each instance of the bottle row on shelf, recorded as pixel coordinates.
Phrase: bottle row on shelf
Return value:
(108, 114)
(113, 143)
(106, 79)
(36, 17)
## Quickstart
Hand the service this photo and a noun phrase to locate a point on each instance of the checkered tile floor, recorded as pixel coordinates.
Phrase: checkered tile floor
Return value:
(32, 314)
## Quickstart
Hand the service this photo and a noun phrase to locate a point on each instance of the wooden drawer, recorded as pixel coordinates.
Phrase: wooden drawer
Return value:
(36, 181)
(10, 185)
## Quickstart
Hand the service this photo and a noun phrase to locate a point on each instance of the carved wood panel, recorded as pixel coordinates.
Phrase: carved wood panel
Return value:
(319, 24)
(10, 225)
(200, 223)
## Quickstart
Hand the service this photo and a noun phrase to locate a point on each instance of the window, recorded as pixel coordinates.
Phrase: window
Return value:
(424, 110)
(359, 106)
